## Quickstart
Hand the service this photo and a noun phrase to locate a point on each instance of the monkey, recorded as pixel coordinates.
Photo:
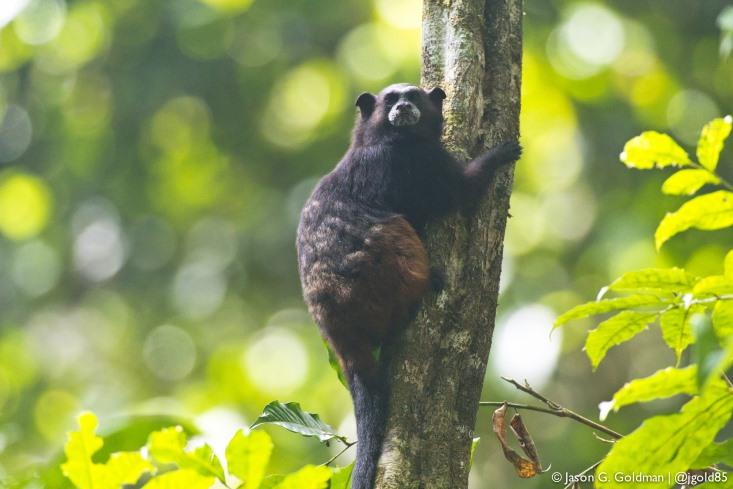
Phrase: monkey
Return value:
(362, 264)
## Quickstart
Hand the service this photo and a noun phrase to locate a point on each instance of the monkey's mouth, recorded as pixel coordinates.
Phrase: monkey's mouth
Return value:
(404, 117)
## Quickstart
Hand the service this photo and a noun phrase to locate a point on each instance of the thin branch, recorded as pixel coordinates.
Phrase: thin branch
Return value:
(557, 410)
(592, 467)
(332, 459)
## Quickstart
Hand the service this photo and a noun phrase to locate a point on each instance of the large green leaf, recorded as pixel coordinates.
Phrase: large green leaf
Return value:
(621, 327)
(341, 478)
(714, 285)
(665, 445)
(292, 417)
(248, 456)
(711, 141)
(655, 280)
(607, 305)
(663, 383)
(728, 265)
(652, 149)
(179, 479)
(121, 468)
(309, 477)
(168, 446)
(677, 328)
(715, 453)
(687, 182)
(723, 319)
(707, 212)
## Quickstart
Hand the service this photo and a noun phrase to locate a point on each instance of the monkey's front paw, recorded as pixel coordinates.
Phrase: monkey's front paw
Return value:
(508, 151)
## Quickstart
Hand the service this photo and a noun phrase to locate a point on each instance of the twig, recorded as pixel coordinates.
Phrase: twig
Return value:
(331, 460)
(592, 467)
(557, 410)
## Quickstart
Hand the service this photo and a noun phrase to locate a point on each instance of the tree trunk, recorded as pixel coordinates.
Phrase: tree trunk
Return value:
(473, 50)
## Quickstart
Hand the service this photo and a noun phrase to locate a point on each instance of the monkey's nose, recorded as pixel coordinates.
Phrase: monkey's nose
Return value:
(402, 106)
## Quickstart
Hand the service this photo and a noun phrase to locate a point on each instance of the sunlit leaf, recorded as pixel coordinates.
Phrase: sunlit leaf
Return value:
(661, 384)
(616, 330)
(607, 305)
(341, 478)
(723, 319)
(677, 328)
(707, 212)
(309, 477)
(670, 444)
(715, 285)
(652, 149)
(728, 265)
(711, 141)
(687, 182)
(655, 279)
(178, 479)
(292, 417)
(247, 457)
(168, 446)
(121, 468)
(715, 453)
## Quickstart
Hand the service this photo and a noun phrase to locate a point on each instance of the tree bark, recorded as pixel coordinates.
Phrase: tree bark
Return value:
(473, 50)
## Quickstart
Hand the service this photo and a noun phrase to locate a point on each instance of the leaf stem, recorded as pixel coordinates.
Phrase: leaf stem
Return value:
(592, 467)
(332, 459)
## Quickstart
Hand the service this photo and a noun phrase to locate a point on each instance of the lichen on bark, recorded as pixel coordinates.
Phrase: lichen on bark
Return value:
(472, 49)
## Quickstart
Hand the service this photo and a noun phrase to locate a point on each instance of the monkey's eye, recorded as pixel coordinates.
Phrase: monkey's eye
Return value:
(391, 98)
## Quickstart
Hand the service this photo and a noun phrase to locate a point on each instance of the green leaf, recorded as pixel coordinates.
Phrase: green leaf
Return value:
(677, 328)
(652, 149)
(341, 478)
(248, 456)
(607, 305)
(168, 446)
(723, 319)
(722, 484)
(661, 384)
(687, 182)
(334, 363)
(669, 444)
(711, 141)
(121, 468)
(474, 445)
(178, 479)
(728, 265)
(291, 417)
(621, 327)
(655, 279)
(707, 212)
(271, 481)
(715, 453)
(714, 285)
(309, 477)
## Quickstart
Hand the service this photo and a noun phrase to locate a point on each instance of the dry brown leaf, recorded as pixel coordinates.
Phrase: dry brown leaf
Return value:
(524, 468)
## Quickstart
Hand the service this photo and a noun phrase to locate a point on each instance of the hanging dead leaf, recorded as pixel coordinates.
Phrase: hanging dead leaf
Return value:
(525, 440)
(524, 468)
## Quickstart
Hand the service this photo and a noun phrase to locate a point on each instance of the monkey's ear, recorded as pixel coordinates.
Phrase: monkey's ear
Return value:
(366, 102)
(437, 95)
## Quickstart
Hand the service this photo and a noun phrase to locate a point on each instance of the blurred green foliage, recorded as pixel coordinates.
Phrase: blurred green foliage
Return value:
(153, 159)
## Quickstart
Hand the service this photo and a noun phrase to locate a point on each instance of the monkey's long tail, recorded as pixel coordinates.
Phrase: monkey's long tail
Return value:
(370, 408)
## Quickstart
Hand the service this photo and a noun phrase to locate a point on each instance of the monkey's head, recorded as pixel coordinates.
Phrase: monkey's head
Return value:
(400, 110)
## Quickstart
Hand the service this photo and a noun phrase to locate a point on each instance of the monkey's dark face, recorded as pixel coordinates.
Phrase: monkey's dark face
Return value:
(401, 109)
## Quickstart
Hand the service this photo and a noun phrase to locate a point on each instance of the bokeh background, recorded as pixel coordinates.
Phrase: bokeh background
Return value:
(154, 156)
